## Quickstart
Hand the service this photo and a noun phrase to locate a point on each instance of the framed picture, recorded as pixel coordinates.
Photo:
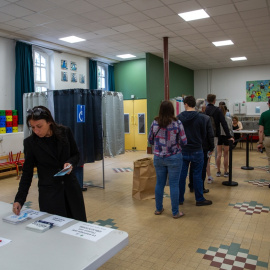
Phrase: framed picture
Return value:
(73, 77)
(64, 76)
(64, 64)
(82, 78)
(73, 66)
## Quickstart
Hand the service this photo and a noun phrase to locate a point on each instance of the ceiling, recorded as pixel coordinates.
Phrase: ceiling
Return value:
(113, 27)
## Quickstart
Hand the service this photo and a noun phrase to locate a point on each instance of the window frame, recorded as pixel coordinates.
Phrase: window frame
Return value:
(105, 67)
(36, 82)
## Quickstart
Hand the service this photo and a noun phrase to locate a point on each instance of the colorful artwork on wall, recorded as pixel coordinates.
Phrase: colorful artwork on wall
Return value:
(64, 64)
(73, 66)
(82, 78)
(64, 76)
(257, 91)
(73, 77)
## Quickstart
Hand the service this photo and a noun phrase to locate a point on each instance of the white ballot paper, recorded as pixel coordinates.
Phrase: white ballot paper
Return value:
(33, 213)
(57, 220)
(87, 231)
(4, 241)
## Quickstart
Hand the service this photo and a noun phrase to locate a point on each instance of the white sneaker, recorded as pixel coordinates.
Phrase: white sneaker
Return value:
(218, 174)
(210, 180)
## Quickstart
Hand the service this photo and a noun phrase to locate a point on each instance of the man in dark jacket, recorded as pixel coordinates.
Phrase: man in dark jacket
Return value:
(208, 144)
(219, 118)
(196, 131)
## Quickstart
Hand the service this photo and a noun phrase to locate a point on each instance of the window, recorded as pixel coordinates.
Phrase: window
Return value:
(102, 71)
(41, 71)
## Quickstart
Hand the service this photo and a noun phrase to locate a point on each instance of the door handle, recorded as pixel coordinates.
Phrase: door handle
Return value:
(132, 119)
(135, 120)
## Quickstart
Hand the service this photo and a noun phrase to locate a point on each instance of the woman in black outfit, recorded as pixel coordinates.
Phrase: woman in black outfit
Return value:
(50, 148)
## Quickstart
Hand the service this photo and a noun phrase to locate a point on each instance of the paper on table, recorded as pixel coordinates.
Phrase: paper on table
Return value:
(4, 241)
(57, 220)
(87, 231)
(64, 171)
(33, 213)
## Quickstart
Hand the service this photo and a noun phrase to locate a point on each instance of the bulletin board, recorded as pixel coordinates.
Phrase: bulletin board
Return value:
(257, 91)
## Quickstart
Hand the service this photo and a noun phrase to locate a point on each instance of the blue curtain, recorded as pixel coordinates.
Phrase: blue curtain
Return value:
(24, 77)
(93, 74)
(111, 78)
(87, 134)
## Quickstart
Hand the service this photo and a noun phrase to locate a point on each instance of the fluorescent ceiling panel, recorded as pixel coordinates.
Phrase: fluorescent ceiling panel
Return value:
(241, 58)
(72, 39)
(194, 15)
(124, 56)
(223, 43)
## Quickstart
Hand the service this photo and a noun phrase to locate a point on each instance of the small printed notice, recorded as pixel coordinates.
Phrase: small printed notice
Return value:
(57, 220)
(4, 241)
(87, 231)
(33, 213)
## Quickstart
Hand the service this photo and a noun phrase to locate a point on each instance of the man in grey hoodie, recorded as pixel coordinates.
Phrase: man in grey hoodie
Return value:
(196, 131)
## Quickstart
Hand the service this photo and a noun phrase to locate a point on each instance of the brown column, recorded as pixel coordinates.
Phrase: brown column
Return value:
(166, 69)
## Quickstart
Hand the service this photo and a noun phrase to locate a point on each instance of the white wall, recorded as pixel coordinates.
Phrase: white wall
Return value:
(82, 68)
(7, 74)
(230, 84)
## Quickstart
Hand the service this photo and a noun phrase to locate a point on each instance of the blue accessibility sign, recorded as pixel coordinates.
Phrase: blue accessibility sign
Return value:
(80, 113)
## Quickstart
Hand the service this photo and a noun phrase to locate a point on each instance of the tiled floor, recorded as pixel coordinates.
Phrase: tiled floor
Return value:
(210, 237)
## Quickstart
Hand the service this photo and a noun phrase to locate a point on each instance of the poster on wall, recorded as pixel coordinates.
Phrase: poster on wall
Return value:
(64, 64)
(82, 78)
(64, 76)
(257, 91)
(73, 66)
(73, 77)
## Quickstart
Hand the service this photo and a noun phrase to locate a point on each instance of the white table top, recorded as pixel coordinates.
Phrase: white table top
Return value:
(245, 131)
(53, 249)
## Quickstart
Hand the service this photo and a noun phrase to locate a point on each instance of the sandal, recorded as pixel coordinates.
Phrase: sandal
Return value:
(159, 212)
(180, 214)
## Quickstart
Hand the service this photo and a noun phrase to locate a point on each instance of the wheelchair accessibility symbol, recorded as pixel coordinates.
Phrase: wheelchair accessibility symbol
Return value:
(80, 113)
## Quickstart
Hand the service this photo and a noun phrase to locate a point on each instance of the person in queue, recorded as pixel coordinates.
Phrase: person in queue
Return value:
(50, 148)
(195, 125)
(223, 142)
(207, 145)
(168, 136)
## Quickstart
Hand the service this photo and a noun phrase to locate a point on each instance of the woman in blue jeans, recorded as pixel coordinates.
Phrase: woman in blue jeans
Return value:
(167, 135)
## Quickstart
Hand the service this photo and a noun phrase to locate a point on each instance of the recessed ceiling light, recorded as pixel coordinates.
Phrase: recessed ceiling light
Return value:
(223, 43)
(194, 15)
(72, 39)
(239, 58)
(124, 56)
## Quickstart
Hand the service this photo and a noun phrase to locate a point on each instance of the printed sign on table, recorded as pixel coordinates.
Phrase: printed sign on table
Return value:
(87, 231)
(57, 220)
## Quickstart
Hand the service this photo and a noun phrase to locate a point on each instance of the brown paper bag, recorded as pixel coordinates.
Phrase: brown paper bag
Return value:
(144, 179)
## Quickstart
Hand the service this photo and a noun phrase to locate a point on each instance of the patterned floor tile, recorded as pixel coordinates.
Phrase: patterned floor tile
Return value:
(105, 223)
(259, 182)
(117, 170)
(251, 207)
(231, 257)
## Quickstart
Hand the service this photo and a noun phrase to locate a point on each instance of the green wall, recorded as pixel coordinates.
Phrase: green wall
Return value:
(181, 83)
(130, 78)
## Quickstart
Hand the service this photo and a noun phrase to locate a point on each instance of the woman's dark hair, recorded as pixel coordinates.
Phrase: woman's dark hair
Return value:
(166, 114)
(222, 108)
(41, 112)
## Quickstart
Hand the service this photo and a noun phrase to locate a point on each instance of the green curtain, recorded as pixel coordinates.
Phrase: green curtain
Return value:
(92, 74)
(24, 76)
(111, 78)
